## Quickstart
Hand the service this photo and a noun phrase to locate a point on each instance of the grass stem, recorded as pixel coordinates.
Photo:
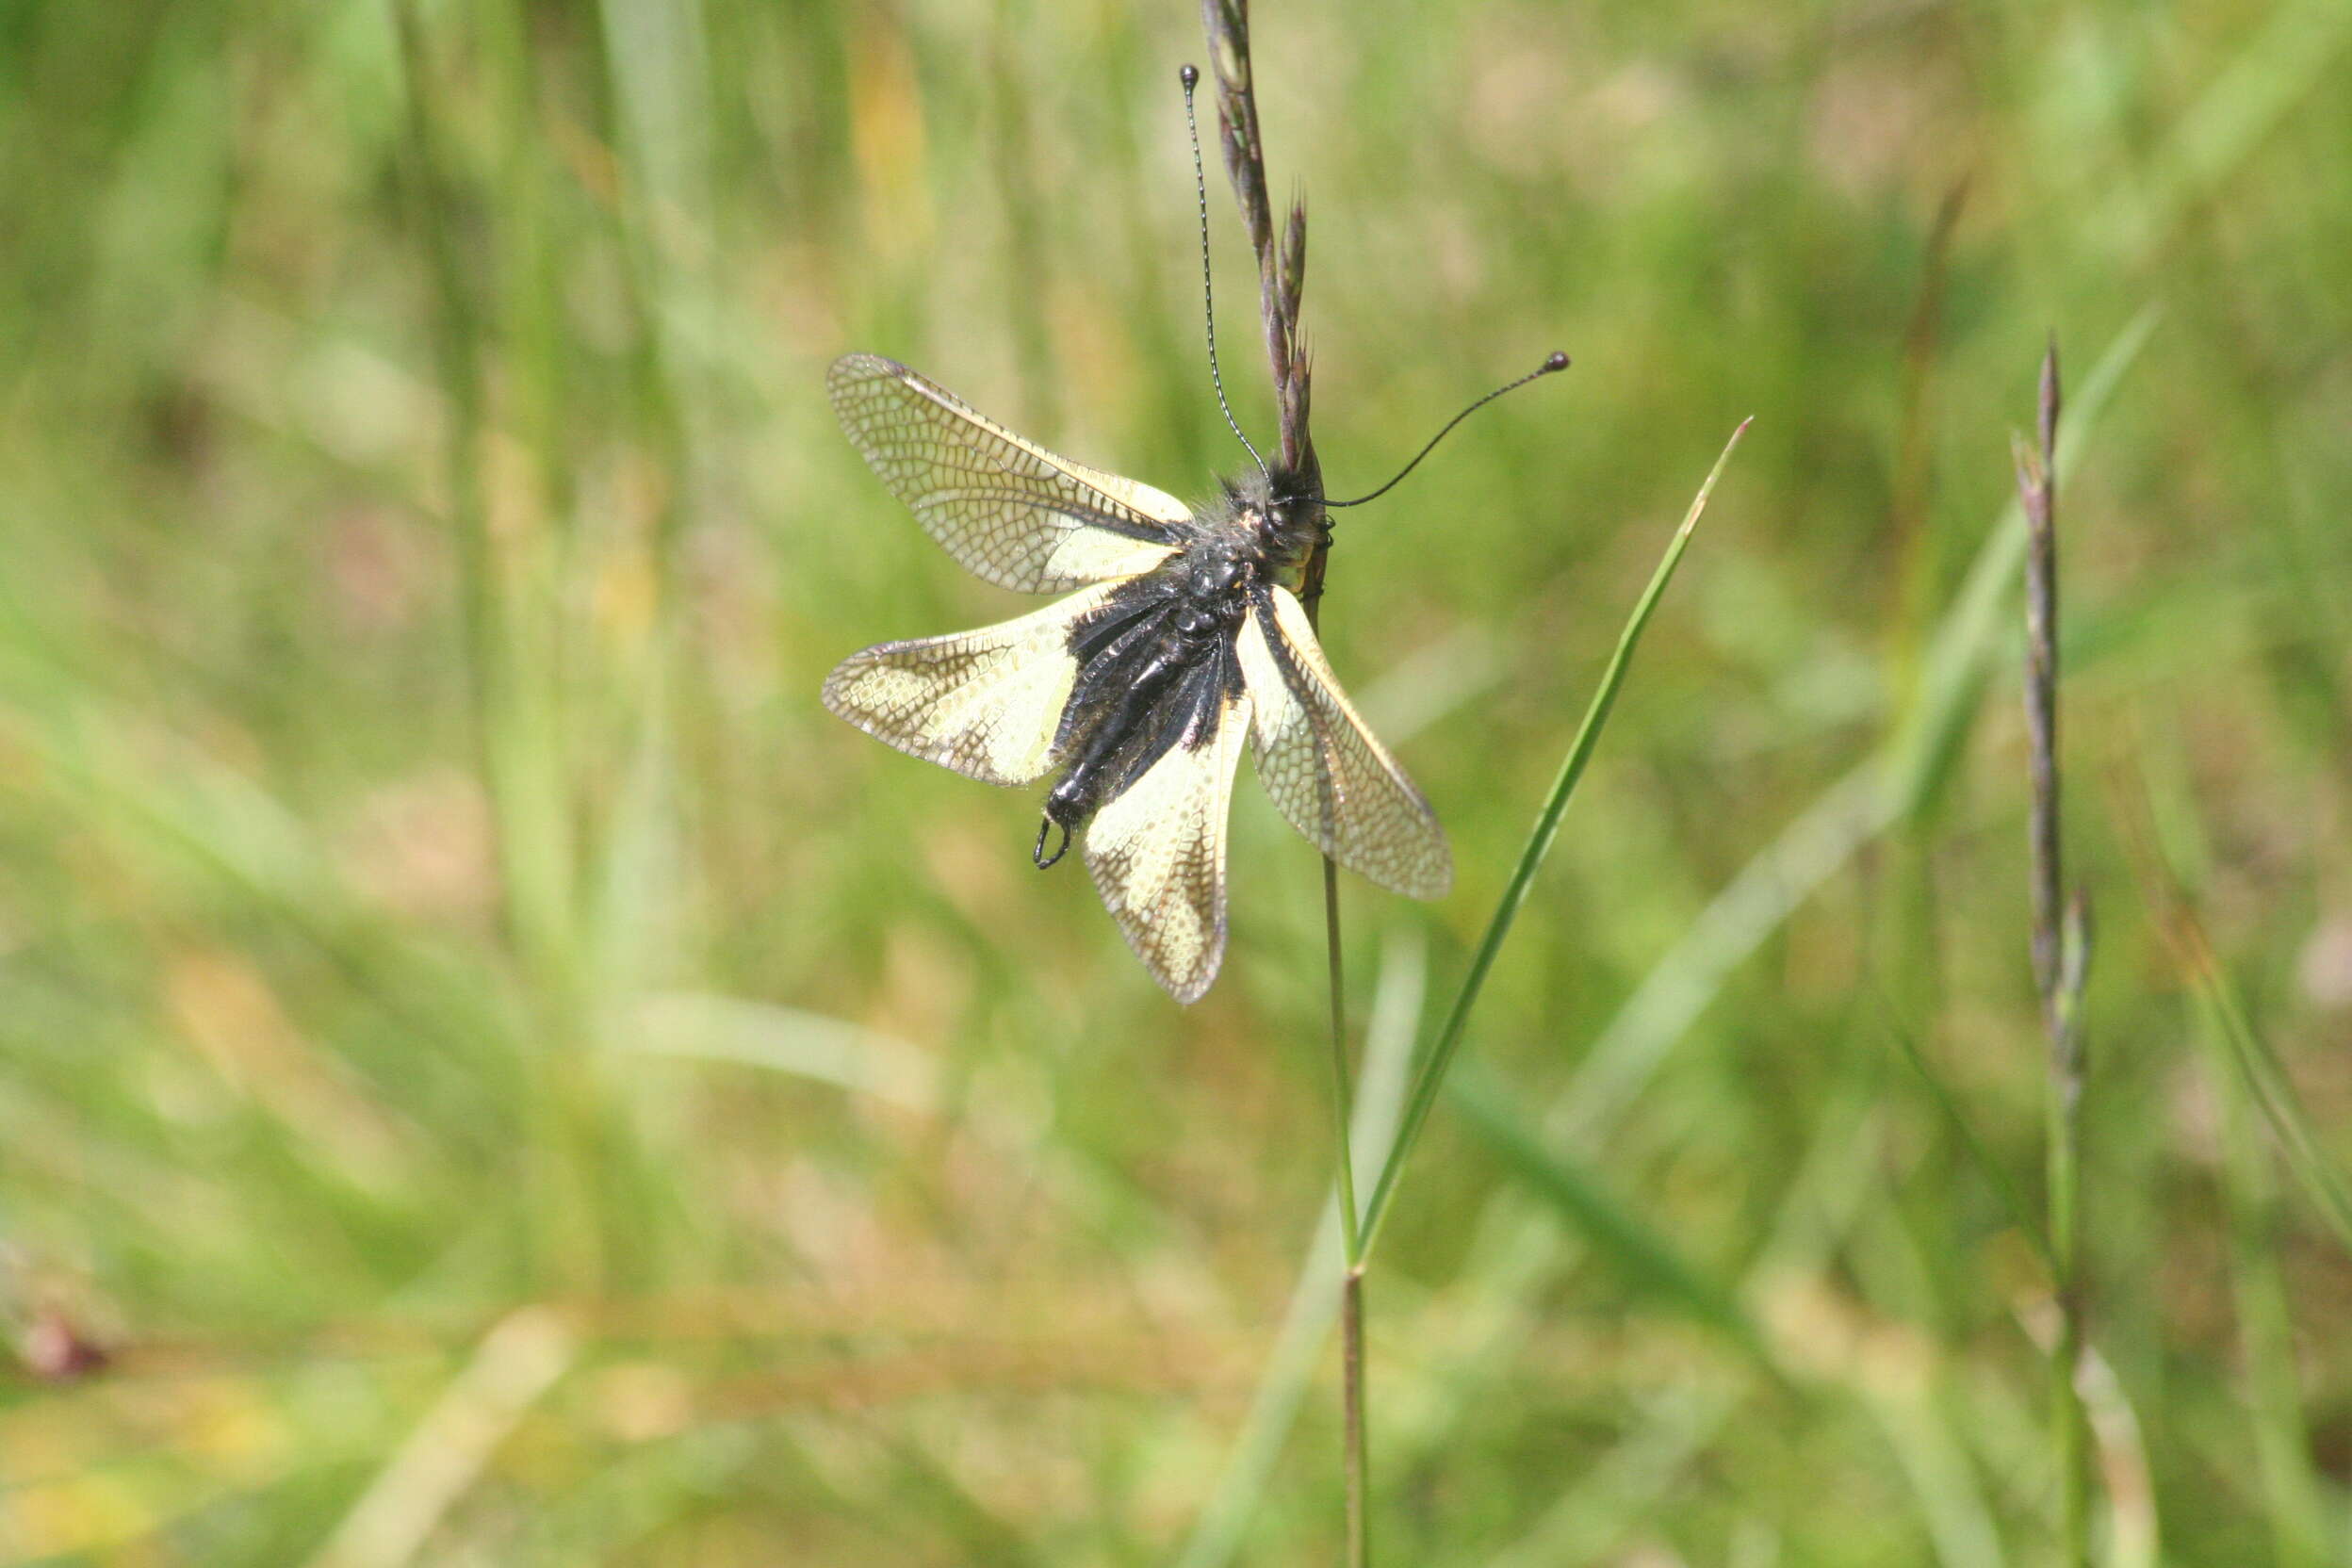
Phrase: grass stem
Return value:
(1354, 1454)
(2060, 955)
(1281, 281)
(1343, 1090)
(1355, 1460)
(1352, 1414)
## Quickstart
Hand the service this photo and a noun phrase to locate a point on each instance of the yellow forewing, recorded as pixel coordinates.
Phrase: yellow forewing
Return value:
(1004, 507)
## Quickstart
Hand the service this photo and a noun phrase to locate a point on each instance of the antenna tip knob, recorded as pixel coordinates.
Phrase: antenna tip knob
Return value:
(1189, 76)
(1555, 360)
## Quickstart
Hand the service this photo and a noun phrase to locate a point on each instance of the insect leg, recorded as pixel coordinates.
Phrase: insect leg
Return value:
(1038, 855)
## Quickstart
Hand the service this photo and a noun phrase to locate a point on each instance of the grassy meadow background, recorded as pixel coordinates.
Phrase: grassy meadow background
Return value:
(492, 1073)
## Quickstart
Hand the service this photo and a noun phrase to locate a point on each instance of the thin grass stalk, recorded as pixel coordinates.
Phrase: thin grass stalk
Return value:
(2060, 948)
(1356, 1457)
(1430, 1077)
(1353, 1416)
(1343, 1090)
(1282, 282)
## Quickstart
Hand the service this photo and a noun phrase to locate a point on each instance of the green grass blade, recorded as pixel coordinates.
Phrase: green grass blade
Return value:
(1431, 1076)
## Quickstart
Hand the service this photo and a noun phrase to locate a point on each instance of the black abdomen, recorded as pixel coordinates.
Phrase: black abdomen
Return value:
(1154, 669)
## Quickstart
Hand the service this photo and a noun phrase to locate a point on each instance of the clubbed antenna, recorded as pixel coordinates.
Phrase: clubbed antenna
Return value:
(1555, 360)
(1191, 78)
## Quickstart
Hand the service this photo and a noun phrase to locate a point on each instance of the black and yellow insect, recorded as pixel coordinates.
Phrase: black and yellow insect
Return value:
(1180, 641)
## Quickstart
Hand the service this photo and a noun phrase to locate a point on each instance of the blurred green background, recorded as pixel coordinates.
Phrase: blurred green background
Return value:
(492, 1073)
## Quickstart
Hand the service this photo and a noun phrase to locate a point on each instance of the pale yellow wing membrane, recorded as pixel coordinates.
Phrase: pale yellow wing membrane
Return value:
(985, 702)
(1326, 771)
(1006, 508)
(1157, 852)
